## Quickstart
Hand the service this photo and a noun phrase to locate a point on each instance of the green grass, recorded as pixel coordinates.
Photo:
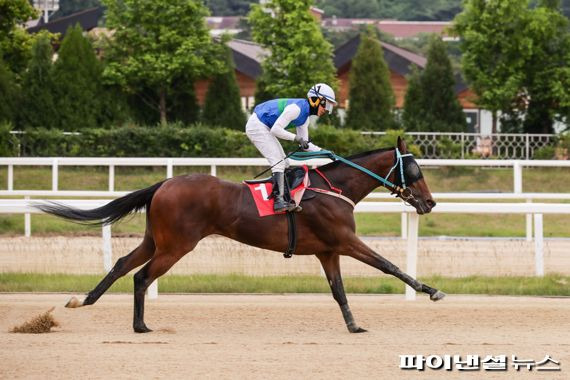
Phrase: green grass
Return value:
(550, 285)
(453, 179)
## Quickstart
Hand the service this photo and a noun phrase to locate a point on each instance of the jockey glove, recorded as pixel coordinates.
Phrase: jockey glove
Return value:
(302, 142)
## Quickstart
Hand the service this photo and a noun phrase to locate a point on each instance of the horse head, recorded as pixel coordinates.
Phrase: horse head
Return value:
(409, 178)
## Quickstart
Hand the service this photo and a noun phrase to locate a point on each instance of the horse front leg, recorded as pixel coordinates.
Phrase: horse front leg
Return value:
(331, 267)
(360, 251)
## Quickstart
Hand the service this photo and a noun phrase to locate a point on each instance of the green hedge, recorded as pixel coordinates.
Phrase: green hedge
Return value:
(176, 141)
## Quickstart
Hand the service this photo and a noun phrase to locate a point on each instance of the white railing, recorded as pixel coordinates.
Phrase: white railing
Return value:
(499, 145)
(528, 197)
(213, 163)
(536, 209)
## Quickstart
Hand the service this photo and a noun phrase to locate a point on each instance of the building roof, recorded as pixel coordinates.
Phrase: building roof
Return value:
(346, 23)
(88, 19)
(408, 29)
(247, 56)
(398, 29)
(399, 60)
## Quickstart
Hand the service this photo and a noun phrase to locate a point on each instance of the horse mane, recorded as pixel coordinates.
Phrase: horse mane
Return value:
(334, 164)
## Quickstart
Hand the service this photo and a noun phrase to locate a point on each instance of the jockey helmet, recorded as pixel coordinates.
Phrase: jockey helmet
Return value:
(322, 93)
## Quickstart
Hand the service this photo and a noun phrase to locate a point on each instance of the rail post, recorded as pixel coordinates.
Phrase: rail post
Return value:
(529, 224)
(412, 253)
(111, 177)
(54, 174)
(152, 290)
(538, 245)
(169, 168)
(10, 177)
(107, 248)
(27, 222)
(404, 223)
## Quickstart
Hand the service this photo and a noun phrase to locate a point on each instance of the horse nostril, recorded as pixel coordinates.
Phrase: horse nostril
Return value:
(431, 203)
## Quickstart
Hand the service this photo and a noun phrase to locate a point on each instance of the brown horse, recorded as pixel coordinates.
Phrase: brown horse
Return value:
(183, 210)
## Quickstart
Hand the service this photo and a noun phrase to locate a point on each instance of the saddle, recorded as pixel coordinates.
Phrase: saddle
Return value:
(293, 178)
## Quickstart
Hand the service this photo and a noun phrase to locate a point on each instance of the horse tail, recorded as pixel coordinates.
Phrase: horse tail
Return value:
(104, 215)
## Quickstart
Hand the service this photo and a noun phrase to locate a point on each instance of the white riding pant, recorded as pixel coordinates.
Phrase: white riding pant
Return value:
(267, 144)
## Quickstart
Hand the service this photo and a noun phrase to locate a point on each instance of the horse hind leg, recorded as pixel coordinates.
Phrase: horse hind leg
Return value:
(160, 263)
(124, 265)
(331, 266)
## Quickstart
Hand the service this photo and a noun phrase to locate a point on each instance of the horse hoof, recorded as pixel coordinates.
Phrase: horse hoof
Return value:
(437, 296)
(142, 329)
(356, 330)
(73, 303)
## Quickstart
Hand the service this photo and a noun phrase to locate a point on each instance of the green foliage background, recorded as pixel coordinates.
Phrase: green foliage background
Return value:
(177, 140)
(299, 54)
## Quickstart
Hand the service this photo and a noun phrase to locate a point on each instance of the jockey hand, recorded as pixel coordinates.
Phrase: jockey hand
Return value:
(302, 142)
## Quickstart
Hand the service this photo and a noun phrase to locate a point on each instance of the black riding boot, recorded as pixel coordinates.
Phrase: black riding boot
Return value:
(280, 204)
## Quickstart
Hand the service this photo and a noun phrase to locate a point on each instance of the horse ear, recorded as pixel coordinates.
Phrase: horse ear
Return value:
(402, 145)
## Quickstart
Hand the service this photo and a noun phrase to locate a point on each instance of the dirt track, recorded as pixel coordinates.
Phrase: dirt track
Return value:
(279, 336)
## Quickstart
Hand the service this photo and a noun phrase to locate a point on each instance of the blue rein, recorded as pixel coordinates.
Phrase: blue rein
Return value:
(301, 156)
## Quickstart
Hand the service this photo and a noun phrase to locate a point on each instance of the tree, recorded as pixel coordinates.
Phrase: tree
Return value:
(15, 43)
(9, 93)
(371, 96)
(77, 82)
(433, 106)
(223, 102)
(299, 54)
(413, 103)
(547, 74)
(495, 50)
(155, 43)
(37, 107)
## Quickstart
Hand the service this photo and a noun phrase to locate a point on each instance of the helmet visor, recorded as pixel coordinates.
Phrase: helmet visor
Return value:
(329, 106)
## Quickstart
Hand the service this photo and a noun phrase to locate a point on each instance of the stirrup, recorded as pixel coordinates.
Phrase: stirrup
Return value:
(287, 207)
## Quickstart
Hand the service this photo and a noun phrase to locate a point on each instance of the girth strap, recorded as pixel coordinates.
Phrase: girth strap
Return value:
(292, 227)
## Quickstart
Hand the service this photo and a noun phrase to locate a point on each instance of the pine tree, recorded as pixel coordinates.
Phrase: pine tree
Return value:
(223, 102)
(37, 107)
(77, 82)
(8, 93)
(371, 96)
(412, 116)
(441, 110)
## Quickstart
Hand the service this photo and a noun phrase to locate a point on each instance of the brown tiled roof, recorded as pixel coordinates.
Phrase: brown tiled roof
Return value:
(407, 29)
(88, 19)
(398, 29)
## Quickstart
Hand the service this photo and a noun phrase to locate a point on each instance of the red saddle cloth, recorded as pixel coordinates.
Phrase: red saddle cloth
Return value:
(262, 191)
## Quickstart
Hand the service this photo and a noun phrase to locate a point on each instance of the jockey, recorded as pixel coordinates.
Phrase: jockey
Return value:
(270, 120)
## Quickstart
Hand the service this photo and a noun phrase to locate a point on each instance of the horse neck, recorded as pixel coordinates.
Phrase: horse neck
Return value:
(356, 184)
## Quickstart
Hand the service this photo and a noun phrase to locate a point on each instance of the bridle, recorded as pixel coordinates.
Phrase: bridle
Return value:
(403, 192)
